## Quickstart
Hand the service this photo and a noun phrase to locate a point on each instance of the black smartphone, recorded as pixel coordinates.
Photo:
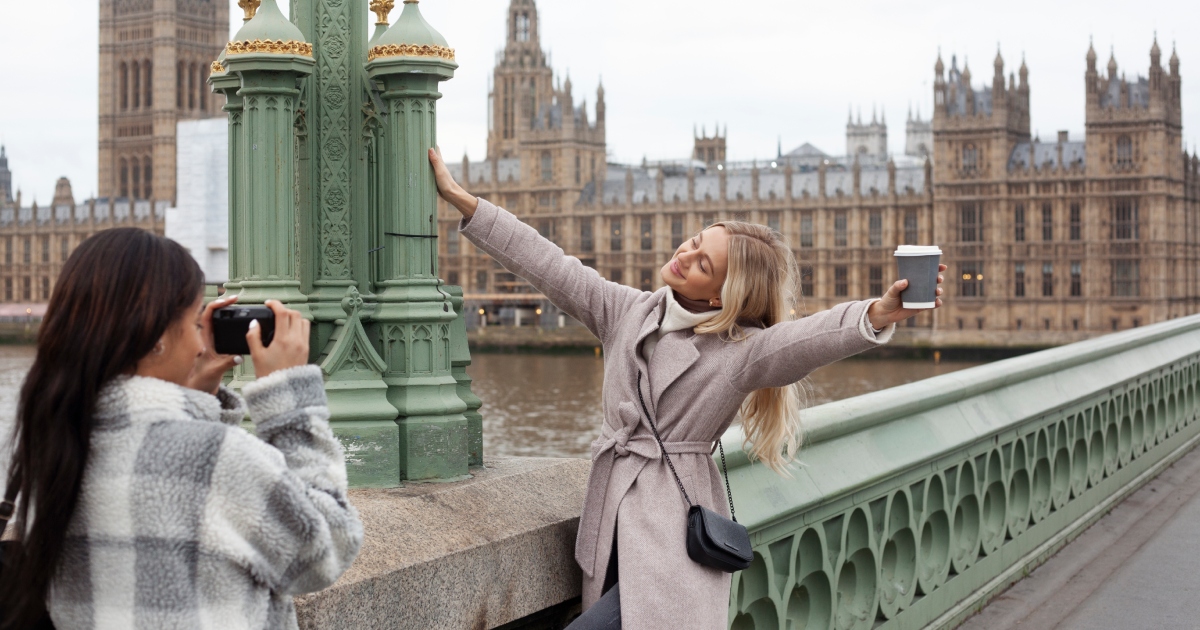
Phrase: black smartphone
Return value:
(231, 323)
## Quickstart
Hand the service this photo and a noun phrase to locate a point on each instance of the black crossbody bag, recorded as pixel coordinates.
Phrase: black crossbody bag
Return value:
(8, 549)
(712, 540)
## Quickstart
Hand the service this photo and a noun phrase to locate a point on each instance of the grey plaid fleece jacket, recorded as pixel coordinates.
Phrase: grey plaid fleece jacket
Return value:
(185, 520)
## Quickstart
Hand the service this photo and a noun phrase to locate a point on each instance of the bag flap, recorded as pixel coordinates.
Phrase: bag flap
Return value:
(726, 533)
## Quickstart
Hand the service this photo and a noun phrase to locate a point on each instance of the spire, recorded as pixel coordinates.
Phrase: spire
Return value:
(1155, 52)
(939, 67)
(1023, 71)
(1091, 56)
(873, 116)
(1112, 63)
(882, 116)
(779, 148)
(999, 62)
(966, 72)
(850, 115)
(1174, 61)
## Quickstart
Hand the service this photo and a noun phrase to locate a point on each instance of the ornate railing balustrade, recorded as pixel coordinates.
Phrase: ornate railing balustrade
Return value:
(914, 505)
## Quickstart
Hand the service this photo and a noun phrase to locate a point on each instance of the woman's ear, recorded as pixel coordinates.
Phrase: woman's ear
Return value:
(715, 302)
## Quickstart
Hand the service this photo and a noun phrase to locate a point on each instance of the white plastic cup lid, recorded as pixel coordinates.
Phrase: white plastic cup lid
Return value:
(918, 250)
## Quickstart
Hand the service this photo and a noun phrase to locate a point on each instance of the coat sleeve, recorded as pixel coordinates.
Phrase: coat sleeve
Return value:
(278, 502)
(787, 352)
(576, 289)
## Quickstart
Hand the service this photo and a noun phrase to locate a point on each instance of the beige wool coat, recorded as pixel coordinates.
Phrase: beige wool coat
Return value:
(694, 386)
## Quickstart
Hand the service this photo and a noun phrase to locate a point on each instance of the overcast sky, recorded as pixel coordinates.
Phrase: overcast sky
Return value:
(768, 69)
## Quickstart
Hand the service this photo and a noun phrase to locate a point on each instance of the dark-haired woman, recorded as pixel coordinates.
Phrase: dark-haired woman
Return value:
(144, 503)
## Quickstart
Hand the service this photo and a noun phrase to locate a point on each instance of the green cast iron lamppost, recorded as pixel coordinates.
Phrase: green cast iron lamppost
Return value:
(331, 203)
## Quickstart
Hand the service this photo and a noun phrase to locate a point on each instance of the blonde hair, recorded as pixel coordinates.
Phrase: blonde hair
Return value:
(761, 289)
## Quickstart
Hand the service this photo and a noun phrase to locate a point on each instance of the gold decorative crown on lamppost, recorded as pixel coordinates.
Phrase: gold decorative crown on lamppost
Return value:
(250, 7)
(382, 8)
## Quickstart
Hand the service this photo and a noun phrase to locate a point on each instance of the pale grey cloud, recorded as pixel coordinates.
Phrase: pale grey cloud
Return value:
(767, 68)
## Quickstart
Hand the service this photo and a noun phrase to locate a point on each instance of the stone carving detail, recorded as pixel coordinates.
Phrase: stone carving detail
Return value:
(336, 46)
(334, 96)
(410, 50)
(338, 77)
(217, 68)
(353, 351)
(277, 47)
(869, 562)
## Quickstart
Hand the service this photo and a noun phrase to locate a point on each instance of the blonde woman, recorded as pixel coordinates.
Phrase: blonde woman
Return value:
(717, 341)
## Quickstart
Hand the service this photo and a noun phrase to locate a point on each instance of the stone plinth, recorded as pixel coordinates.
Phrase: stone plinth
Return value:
(472, 554)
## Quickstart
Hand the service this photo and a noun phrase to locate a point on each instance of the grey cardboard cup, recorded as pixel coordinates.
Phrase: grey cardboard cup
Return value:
(920, 268)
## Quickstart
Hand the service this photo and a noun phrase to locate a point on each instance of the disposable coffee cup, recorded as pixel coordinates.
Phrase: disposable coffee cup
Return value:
(919, 265)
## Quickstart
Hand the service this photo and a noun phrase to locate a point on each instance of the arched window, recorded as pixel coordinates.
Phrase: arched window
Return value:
(970, 158)
(1124, 152)
(179, 72)
(147, 178)
(137, 179)
(191, 72)
(547, 166)
(124, 86)
(136, 71)
(523, 27)
(124, 178)
(148, 98)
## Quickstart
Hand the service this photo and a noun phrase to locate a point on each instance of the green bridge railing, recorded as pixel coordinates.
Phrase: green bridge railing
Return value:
(916, 504)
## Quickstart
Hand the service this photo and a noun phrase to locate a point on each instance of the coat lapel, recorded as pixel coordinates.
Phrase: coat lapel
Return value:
(672, 357)
(650, 323)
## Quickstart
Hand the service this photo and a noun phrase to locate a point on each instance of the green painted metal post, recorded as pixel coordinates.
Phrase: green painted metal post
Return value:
(336, 240)
(460, 358)
(415, 313)
(270, 56)
(327, 166)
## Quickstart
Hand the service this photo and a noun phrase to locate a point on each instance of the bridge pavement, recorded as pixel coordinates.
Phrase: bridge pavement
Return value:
(1136, 568)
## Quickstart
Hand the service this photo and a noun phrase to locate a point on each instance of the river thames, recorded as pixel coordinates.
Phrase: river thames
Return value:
(548, 405)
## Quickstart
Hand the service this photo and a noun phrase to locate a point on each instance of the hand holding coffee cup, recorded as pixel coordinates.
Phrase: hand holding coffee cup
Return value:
(905, 299)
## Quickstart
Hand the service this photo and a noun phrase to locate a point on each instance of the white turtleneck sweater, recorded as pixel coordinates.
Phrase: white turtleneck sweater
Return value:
(675, 317)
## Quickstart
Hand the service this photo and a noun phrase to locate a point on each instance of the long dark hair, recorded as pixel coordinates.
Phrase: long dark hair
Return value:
(117, 294)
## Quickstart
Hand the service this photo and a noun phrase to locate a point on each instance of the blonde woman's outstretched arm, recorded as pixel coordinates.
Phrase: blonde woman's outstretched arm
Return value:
(573, 287)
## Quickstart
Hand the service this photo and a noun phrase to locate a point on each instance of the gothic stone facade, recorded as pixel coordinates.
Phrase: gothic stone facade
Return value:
(1060, 240)
(36, 240)
(1047, 242)
(155, 57)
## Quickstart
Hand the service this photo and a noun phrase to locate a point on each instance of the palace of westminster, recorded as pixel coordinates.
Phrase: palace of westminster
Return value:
(1047, 241)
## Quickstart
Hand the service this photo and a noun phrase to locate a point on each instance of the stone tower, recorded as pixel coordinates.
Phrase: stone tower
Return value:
(1132, 123)
(711, 151)
(534, 118)
(977, 128)
(867, 142)
(5, 178)
(1135, 150)
(918, 135)
(154, 59)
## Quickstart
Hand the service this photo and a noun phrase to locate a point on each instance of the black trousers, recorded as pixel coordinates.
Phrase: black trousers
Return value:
(605, 614)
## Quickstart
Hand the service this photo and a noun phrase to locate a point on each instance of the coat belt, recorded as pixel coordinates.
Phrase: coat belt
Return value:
(611, 445)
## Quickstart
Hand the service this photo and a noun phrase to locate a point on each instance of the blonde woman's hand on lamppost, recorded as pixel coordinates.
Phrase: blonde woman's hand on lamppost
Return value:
(890, 309)
(289, 347)
(449, 189)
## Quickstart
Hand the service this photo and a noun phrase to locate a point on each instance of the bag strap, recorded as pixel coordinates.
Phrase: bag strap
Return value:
(671, 464)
